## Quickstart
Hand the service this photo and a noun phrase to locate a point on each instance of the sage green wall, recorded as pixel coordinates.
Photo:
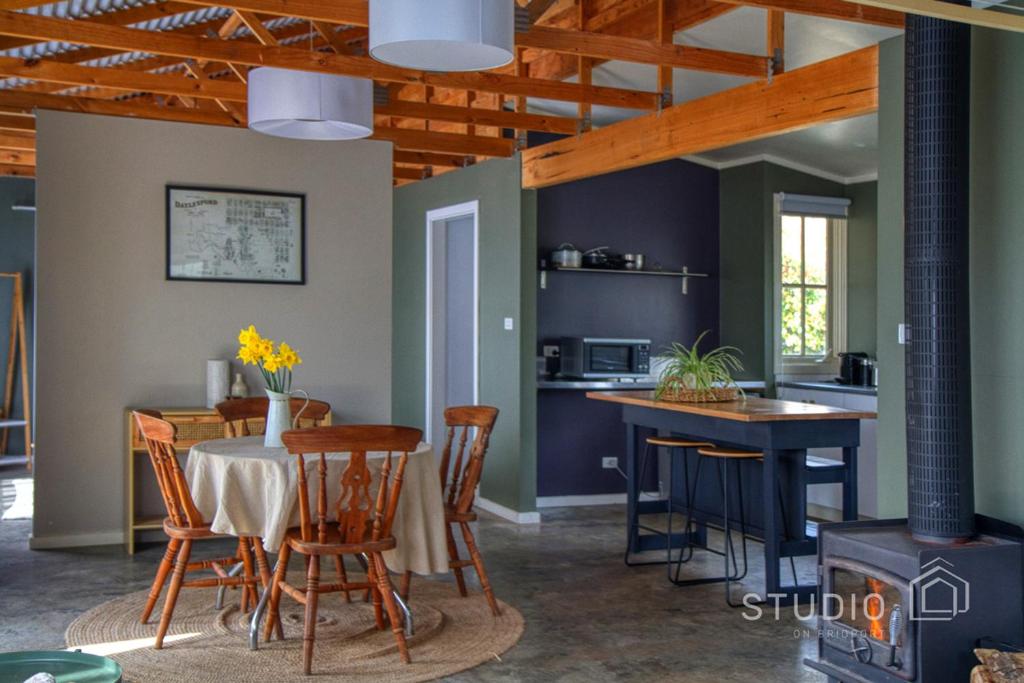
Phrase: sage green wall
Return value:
(997, 250)
(892, 416)
(746, 217)
(507, 241)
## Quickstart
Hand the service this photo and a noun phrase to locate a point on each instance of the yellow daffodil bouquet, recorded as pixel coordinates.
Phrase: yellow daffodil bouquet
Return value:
(276, 366)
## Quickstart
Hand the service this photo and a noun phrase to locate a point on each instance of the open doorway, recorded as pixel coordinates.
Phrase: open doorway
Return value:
(452, 329)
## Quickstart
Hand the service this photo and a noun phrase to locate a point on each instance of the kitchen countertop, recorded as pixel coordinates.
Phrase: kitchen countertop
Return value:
(831, 386)
(743, 410)
(618, 385)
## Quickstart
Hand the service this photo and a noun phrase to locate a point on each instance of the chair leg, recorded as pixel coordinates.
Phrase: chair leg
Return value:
(690, 512)
(371, 575)
(453, 558)
(166, 564)
(339, 568)
(384, 589)
(249, 597)
(312, 597)
(478, 563)
(262, 565)
(180, 567)
(273, 613)
(406, 585)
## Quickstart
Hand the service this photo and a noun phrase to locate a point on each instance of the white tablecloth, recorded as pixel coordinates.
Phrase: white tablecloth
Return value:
(245, 489)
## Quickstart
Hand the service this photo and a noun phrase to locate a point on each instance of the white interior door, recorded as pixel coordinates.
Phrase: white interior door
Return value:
(452, 328)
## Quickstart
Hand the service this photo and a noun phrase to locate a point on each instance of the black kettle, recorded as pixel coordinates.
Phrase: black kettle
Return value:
(852, 368)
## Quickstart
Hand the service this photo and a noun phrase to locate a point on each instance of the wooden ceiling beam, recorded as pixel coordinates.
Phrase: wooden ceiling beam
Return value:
(349, 12)
(402, 156)
(256, 27)
(410, 173)
(17, 157)
(830, 90)
(29, 101)
(776, 39)
(19, 171)
(18, 141)
(171, 44)
(976, 16)
(14, 122)
(448, 143)
(121, 79)
(121, 17)
(831, 9)
(610, 47)
(478, 117)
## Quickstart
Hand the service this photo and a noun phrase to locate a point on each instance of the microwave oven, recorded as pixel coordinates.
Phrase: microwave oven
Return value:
(603, 357)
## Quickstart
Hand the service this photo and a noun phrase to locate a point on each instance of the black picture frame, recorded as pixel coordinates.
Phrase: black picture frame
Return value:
(169, 273)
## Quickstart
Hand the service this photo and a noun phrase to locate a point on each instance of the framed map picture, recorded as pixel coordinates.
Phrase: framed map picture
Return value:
(235, 235)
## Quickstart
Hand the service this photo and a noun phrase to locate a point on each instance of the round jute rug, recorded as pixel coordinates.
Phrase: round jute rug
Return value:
(209, 646)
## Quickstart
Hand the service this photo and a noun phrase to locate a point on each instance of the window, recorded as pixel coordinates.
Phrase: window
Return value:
(805, 295)
(810, 283)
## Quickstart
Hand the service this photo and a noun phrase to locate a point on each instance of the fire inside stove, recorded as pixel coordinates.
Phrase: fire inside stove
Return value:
(866, 604)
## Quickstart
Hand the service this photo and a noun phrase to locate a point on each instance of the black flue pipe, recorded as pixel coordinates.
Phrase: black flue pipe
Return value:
(938, 354)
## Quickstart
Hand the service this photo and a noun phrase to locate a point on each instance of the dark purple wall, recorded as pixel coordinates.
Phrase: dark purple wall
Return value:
(668, 212)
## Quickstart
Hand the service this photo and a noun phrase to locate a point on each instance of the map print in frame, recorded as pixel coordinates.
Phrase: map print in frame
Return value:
(235, 235)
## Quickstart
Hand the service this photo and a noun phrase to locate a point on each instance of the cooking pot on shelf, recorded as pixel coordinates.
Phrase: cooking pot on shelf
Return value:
(595, 258)
(566, 256)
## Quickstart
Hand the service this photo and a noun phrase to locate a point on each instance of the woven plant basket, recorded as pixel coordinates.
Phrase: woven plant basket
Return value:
(671, 391)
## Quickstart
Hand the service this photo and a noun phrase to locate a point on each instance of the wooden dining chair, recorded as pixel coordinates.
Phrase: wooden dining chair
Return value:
(360, 526)
(459, 480)
(237, 413)
(183, 525)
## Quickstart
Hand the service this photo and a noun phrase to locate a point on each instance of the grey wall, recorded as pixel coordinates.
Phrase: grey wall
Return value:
(746, 210)
(17, 255)
(113, 333)
(507, 289)
(997, 250)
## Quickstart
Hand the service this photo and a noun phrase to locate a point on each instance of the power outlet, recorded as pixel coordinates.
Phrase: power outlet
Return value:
(551, 351)
(609, 463)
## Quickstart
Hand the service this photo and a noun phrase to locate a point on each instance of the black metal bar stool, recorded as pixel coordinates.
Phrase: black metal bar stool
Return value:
(653, 444)
(722, 457)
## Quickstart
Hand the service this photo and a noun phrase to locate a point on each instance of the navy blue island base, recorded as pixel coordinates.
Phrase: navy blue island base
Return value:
(783, 431)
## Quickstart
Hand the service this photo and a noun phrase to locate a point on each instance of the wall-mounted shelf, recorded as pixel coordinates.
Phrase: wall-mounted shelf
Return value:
(684, 274)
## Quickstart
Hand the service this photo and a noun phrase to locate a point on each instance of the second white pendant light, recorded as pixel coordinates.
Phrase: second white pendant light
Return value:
(443, 35)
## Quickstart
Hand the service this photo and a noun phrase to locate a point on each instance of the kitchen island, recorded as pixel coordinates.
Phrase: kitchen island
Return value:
(783, 431)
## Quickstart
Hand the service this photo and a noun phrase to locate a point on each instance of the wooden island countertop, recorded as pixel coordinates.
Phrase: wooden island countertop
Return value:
(742, 410)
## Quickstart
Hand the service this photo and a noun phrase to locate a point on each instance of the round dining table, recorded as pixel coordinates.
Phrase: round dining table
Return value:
(246, 489)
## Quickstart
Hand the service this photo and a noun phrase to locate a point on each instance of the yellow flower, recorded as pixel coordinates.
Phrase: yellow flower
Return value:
(246, 355)
(263, 348)
(288, 356)
(272, 363)
(248, 336)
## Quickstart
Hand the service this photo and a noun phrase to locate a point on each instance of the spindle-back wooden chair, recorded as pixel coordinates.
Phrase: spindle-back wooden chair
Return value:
(459, 480)
(361, 525)
(236, 413)
(183, 525)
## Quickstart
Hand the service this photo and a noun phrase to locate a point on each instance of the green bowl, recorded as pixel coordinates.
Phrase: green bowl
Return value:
(66, 667)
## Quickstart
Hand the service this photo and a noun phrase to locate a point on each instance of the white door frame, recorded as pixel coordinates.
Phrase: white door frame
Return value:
(434, 217)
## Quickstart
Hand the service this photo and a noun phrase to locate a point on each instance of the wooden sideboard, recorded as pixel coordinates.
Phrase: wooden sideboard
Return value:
(194, 425)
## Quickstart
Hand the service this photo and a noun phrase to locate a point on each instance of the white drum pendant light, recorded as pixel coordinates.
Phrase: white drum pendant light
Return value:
(442, 35)
(309, 106)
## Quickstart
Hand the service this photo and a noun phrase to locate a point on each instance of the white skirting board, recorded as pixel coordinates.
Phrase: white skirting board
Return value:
(506, 512)
(76, 540)
(582, 501)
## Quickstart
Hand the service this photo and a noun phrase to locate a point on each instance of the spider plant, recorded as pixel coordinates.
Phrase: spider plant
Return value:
(687, 368)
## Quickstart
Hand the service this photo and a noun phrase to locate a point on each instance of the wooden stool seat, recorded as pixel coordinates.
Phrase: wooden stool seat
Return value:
(674, 442)
(730, 453)
(333, 544)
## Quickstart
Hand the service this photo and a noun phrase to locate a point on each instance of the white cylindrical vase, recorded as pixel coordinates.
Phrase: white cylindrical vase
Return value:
(217, 386)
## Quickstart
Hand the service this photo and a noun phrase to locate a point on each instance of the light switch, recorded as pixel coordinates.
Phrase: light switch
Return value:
(903, 333)
(509, 324)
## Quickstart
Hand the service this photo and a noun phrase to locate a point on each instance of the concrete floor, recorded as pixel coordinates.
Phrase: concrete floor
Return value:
(588, 616)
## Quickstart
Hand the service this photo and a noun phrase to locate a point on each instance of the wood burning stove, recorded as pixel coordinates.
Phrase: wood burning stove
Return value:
(905, 600)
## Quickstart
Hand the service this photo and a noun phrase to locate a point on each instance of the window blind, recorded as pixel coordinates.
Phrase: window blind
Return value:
(810, 205)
